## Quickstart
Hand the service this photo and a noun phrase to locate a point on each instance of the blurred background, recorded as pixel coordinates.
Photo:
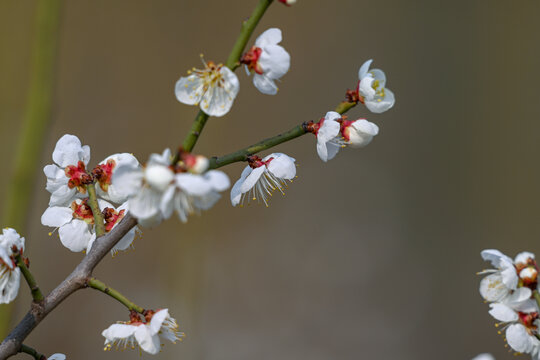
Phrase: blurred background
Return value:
(370, 256)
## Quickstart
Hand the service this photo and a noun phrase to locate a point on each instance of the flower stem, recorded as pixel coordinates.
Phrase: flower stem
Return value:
(98, 216)
(32, 284)
(242, 154)
(247, 29)
(232, 63)
(98, 285)
(28, 350)
(536, 296)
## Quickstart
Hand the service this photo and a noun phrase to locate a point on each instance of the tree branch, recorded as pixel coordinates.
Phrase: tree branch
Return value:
(75, 281)
(101, 286)
(32, 284)
(242, 154)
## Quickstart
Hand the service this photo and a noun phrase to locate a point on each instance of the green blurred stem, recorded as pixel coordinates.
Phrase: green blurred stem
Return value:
(98, 285)
(96, 211)
(34, 124)
(28, 350)
(242, 154)
(30, 280)
(232, 62)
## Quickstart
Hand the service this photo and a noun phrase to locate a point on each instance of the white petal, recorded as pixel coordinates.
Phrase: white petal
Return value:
(56, 216)
(518, 338)
(379, 76)
(252, 179)
(282, 166)
(519, 295)
(217, 101)
(522, 257)
(57, 356)
(207, 201)
(329, 129)
(502, 312)
(56, 177)
(510, 277)
(9, 284)
(364, 69)
(157, 319)
(193, 184)
(332, 150)
(483, 356)
(118, 331)
(68, 151)
(127, 181)
(62, 196)
(366, 89)
(6, 258)
(218, 179)
(380, 105)
(189, 89)
(361, 132)
(271, 36)
(526, 306)
(75, 235)
(495, 257)
(166, 204)
(264, 84)
(148, 342)
(145, 204)
(125, 242)
(90, 242)
(492, 288)
(162, 159)
(274, 61)
(236, 193)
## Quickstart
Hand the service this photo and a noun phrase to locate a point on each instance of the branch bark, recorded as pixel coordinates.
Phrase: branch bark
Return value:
(75, 281)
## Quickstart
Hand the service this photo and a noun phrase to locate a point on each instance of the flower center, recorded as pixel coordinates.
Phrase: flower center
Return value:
(158, 176)
(82, 211)
(254, 161)
(78, 177)
(112, 217)
(103, 174)
(251, 59)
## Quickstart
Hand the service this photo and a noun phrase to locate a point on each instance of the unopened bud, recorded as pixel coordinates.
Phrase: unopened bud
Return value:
(288, 2)
(528, 275)
(158, 176)
(359, 133)
(524, 258)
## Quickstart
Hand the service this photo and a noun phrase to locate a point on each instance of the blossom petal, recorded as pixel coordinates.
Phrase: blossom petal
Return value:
(62, 196)
(282, 166)
(379, 105)
(189, 90)
(492, 288)
(518, 338)
(275, 61)
(364, 69)
(271, 36)
(252, 179)
(218, 179)
(147, 341)
(157, 319)
(218, 100)
(57, 356)
(502, 312)
(265, 84)
(9, 283)
(166, 204)
(378, 75)
(68, 151)
(118, 331)
(125, 242)
(75, 235)
(145, 204)
(127, 180)
(56, 216)
(193, 184)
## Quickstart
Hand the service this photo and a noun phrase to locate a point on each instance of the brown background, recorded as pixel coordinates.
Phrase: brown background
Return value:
(371, 256)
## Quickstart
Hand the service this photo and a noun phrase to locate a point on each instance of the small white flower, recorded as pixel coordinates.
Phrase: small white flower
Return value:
(144, 335)
(502, 280)
(484, 356)
(150, 188)
(268, 60)
(334, 132)
(68, 175)
(10, 274)
(103, 173)
(214, 88)
(377, 98)
(262, 176)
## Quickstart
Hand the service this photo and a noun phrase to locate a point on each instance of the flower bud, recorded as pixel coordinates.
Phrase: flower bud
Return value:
(288, 2)
(359, 133)
(158, 176)
(528, 275)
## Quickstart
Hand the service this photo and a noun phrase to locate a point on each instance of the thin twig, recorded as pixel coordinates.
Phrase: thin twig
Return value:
(28, 350)
(30, 280)
(115, 294)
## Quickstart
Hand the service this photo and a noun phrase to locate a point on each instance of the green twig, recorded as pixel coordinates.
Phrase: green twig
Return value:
(232, 62)
(247, 29)
(96, 211)
(32, 284)
(242, 154)
(98, 285)
(34, 124)
(28, 350)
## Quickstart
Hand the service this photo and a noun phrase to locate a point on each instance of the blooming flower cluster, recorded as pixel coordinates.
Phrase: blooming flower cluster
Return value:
(10, 274)
(145, 334)
(510, 288)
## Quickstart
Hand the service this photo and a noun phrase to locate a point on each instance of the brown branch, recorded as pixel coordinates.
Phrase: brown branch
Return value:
(75, 281)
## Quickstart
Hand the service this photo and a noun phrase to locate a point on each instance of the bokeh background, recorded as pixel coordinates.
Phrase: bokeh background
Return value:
(370, 256)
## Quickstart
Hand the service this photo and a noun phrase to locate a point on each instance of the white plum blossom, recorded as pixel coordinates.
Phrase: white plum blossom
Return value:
(327, 132)
(150, 188)
(214, 88)
(262, 176)
(146, 336)
(334, 132)
(501, 281)
(68, 175)
(371, 87)
(268, 60)
(483, 356)
(523, 340)
(10, 274)
(112, 217)
(103, 173)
